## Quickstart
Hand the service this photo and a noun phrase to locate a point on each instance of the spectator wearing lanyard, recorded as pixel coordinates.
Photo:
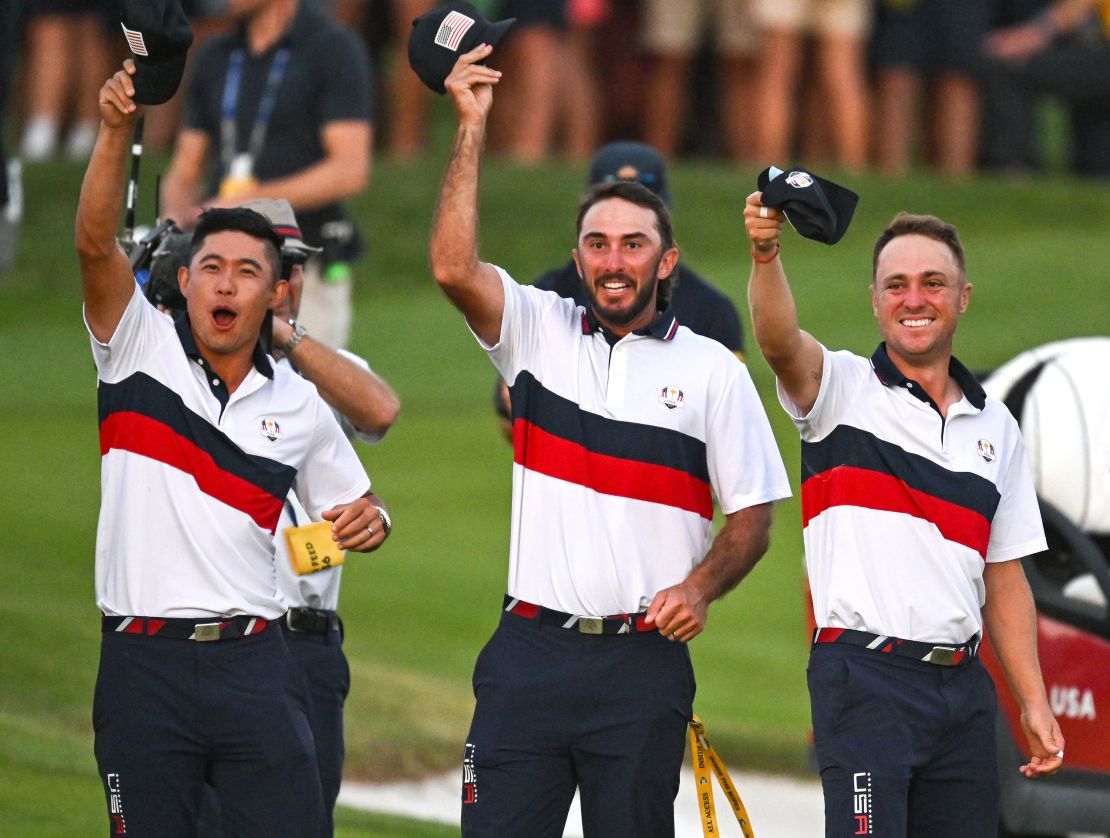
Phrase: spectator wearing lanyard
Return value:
(267, 115)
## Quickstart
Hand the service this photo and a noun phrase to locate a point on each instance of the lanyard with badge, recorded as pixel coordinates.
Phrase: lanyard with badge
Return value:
(703, 755)
(239, 165)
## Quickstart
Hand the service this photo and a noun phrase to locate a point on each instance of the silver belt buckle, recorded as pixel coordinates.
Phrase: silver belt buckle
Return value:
(590, 625)
(942, 657)
(206, 632)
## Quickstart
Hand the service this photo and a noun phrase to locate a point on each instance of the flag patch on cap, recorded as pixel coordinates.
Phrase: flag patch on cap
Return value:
(135, 41)
(451, 31)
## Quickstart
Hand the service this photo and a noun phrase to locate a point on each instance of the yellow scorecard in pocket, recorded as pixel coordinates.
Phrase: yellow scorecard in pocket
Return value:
(311, 548)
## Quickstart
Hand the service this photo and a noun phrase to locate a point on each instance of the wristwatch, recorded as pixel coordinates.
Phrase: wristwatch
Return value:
(299, 331)
(387, 522)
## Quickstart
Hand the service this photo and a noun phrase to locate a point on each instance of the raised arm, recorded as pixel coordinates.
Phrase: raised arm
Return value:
(794, 355)
(473, 286)
(107, 283)
(1010, 619)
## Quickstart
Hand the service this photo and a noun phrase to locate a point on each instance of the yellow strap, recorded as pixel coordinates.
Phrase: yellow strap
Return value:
(700, 751)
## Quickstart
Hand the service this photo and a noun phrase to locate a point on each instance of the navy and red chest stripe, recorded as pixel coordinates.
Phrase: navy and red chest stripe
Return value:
(553, 435)
(143, 416)
(853, 467)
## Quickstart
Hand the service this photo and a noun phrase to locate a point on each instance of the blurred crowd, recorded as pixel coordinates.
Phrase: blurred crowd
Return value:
(858, 84)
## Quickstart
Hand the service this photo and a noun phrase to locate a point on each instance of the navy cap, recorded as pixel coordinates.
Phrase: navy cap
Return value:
(631, 160)
(817, 208)
(440, 36)
(159, 36)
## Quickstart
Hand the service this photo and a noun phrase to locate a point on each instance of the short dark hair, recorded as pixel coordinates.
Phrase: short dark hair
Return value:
(254, 224)
(907, 224)
(638, 194)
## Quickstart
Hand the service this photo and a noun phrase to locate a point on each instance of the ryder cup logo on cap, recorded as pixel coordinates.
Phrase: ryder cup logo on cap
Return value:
(799, 180)
(817, 208)
(440, 36)
(159, 36)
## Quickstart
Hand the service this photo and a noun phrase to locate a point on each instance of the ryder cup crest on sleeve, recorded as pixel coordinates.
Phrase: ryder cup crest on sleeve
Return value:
(159, 36)
(440, 36)
(817, 208)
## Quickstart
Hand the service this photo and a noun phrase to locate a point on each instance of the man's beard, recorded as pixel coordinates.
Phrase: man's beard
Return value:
(644, 297)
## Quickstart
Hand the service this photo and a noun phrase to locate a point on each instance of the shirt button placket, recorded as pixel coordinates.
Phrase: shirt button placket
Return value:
(618, 378)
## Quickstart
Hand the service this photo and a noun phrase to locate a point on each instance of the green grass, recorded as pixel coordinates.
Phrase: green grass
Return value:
(418, 611)
(352, 824)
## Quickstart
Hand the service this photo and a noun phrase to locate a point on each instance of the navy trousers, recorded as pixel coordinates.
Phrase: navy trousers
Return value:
(905, 748)
(328, 679)
(170, 714)
(558, 710)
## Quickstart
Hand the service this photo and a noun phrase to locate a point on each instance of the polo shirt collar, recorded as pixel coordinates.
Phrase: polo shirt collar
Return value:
(663, 327)
(189, 344)
(891, 376)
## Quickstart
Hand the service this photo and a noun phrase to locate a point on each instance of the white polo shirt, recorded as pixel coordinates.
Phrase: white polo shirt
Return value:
(901, 507)
(618, 452)
(319, 589)
(193, 479)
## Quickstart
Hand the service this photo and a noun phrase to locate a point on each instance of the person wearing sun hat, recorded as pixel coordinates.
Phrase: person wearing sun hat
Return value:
(365, 407)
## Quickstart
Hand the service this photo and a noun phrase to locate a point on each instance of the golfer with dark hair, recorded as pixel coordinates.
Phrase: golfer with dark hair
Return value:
(625, 426)
(202, 438)
(917, 506)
